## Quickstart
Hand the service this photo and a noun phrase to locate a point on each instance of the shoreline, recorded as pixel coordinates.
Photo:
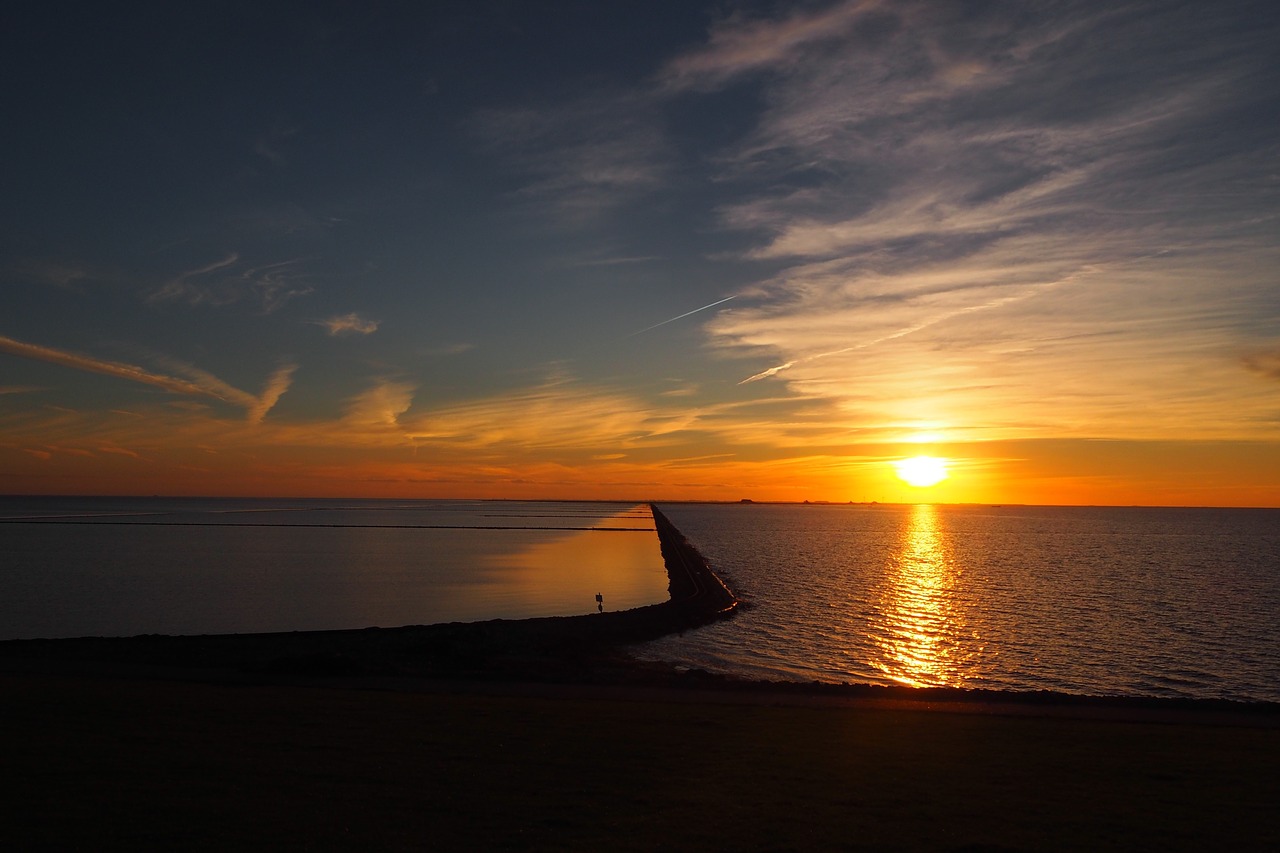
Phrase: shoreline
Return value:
(521, 656)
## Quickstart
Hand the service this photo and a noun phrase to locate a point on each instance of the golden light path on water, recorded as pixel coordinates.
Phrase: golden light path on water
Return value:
(1096, 601)
(923, 631)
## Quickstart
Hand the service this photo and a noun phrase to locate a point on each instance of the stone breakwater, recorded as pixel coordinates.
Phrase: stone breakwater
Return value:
(569, 647)
(694, 588)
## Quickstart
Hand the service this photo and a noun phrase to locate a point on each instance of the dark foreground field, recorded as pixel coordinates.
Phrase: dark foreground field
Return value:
(129, 764)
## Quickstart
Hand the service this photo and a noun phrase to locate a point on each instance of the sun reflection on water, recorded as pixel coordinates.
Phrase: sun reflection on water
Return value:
(921, 635)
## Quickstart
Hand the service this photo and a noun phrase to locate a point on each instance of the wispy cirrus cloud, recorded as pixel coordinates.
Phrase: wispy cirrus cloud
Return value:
(119, 451)
(1004, 221)
(63, 274)
(560, 417)
(738, 45)
(583, 158)
(192, 381)
(230, 280)
(604, 260)
(380, 406)
(450, 349)
(118, 369)
(558, 414)
(1265, 362)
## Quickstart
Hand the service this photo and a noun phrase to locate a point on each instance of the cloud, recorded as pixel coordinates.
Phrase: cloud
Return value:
(680, 316)
(603, 261)
(60, 274)
(772, 371)
(1119, 350)
(268, 146)
(1264, 362)
(581, 159)
(257, 406)
(109, 368)
(1002, 220)
(346, 324)
(739, 45)
(451, 349)
(682, 389)
(119, 451)
(70, 451)
(277, 383)
(186, 286)
(18, 389)
(229, 281)
(199, 383)
(380, 406)
(558, 414)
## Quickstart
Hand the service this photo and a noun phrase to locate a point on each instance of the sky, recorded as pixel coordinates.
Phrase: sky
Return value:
(642, 250)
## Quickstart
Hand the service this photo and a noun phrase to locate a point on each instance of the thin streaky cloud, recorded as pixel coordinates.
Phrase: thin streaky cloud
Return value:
(451, 349)
(581, 159)
(103, 366)
(271, 285)
(681, 317)
(739, 46)
(200, 383)
(613, 262)
(772, 371)
(57, 273)
(256, 406)
(180, 286)
(210, 384)
(216, 265)
(119, 451)
(901, 333)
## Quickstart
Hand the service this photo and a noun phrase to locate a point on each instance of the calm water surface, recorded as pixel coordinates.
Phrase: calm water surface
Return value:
(118, 567)
(1149, 602)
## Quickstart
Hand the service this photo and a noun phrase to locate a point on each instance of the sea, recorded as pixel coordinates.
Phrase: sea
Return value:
(1147, 602)
(76, 567)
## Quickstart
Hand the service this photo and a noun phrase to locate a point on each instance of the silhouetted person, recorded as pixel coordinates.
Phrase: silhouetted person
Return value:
(599, 602)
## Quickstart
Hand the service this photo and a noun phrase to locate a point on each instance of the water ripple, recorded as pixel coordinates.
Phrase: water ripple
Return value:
(1151, 602)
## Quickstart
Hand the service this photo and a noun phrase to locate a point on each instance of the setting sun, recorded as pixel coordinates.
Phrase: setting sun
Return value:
(921, 471)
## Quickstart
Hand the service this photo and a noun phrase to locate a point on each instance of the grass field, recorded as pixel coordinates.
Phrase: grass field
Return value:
(98, 764)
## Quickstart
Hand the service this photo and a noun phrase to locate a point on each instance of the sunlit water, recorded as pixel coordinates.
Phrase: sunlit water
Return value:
(119, 567)
(1150, 602)
(1146, 602)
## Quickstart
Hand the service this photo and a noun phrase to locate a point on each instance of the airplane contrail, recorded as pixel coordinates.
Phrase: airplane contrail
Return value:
(681, 317)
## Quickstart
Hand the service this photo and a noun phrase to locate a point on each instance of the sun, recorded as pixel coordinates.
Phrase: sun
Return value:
(921, 471)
